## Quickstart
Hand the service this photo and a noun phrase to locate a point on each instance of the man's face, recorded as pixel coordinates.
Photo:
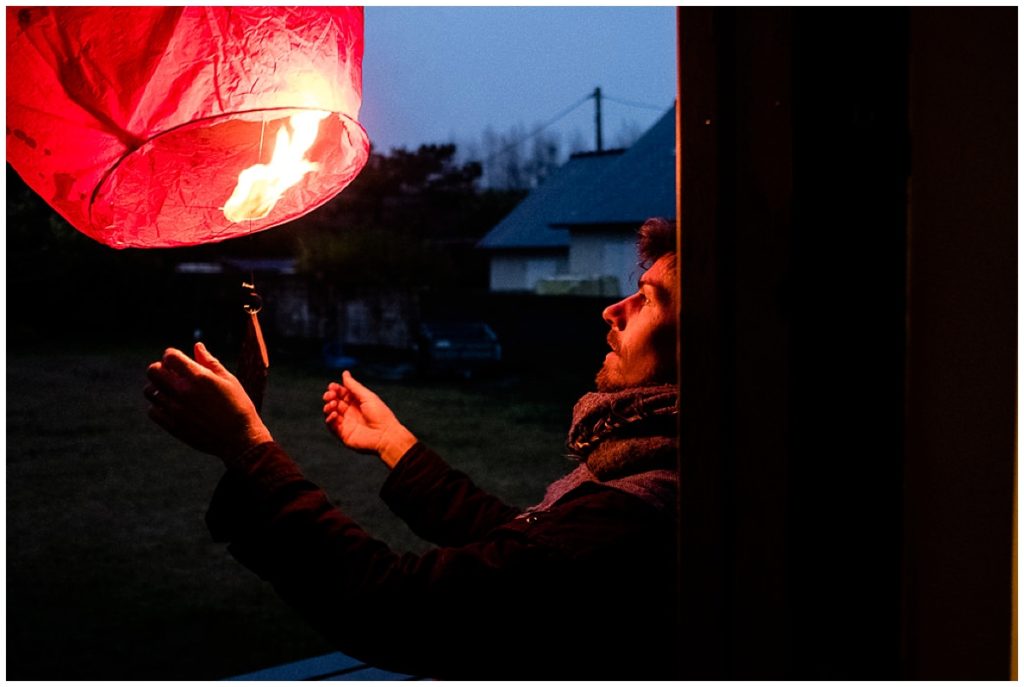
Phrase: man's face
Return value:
(643, 332)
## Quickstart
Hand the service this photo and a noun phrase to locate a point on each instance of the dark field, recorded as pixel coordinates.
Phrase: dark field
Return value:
(111, 573)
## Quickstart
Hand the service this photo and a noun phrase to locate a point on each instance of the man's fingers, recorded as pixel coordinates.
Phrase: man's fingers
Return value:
(164, 379)
(206, 359)
(153, 394)
(336, 391)
(176, 419)
(179, 363)
(155, 371)
(357, 389)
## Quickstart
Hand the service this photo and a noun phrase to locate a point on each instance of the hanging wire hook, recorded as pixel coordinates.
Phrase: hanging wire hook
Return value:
(254, 302)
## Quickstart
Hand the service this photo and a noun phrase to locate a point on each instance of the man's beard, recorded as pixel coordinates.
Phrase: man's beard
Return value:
(611, 378)
(607, 380)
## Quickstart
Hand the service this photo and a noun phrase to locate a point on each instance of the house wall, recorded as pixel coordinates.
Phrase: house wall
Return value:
(522, 272)
(605, 254)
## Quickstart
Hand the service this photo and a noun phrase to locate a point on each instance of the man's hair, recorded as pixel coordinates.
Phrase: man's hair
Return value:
(655, 239)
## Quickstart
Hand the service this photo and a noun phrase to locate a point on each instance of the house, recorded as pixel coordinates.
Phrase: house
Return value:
(576, 233)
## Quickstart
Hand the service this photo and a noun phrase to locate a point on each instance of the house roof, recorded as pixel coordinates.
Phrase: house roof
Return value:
(529, 224)
(614, 187)
(639, 184)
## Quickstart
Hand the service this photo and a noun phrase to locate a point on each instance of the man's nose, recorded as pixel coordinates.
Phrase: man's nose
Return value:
(614, 315)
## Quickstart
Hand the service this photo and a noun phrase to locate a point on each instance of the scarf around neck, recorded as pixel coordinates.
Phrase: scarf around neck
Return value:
(625, 440)
(626, 431)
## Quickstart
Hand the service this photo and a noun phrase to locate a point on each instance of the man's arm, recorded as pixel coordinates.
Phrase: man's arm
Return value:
(201, 403)
(583, 592)
(420, 614)
(440, 504)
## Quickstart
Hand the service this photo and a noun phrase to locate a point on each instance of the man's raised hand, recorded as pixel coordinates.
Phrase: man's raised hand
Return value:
(202, 404)
(363, 422)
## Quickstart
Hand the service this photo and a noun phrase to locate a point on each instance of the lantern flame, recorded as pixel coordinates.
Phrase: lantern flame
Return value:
(262, 185)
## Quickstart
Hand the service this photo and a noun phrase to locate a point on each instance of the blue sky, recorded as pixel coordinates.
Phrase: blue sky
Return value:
(438, 74)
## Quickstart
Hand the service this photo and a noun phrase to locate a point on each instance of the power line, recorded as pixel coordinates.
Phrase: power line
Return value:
(563, 113)
(633, 103)
(540, 128)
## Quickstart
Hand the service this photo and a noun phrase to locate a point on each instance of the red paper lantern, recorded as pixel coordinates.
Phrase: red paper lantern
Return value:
(136, 123)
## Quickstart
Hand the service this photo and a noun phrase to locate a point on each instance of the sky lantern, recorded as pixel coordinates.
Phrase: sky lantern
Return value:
(174, 126)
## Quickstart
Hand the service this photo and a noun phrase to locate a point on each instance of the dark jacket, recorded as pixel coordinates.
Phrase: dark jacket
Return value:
(583, 590)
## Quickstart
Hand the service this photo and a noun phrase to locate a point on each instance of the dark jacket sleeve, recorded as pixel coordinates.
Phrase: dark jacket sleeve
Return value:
(524, 601)
(417, 614)
(441, 504)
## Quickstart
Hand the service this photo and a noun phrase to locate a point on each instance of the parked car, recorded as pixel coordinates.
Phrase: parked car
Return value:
(457, 348)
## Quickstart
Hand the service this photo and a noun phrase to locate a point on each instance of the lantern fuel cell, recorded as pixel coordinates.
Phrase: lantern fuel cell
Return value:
(175, 126)
(253, 362)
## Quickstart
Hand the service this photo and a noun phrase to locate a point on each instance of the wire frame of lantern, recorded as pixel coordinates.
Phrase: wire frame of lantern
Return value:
(175, 126)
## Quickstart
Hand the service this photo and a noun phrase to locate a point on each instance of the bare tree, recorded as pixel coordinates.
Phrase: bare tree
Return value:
(518, 159)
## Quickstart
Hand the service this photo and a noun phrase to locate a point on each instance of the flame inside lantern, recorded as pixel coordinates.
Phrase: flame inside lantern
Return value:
(262, 185)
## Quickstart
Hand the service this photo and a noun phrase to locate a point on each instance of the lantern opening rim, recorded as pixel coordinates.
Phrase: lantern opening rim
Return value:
(348, 123)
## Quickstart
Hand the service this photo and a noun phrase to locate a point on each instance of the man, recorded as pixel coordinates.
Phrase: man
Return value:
(580, 586)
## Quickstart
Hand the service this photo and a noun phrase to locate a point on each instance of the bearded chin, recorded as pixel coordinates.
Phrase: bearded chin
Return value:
(611, 378)
(607, 381)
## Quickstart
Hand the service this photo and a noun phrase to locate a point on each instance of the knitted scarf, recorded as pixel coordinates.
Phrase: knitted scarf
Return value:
(625, 440)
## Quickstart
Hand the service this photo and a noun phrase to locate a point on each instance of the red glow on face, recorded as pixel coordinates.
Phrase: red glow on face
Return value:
(136, 123)
(642, 333)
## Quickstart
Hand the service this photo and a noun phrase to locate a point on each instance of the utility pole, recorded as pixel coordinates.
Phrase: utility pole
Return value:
(597, 118)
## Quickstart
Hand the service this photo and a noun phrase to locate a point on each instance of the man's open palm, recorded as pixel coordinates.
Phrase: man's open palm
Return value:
(363, 422)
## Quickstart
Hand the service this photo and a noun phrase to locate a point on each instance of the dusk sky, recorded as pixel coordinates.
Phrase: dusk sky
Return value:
(439, 74)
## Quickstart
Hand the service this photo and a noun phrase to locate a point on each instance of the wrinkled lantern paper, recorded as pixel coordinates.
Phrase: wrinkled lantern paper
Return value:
(174, 126)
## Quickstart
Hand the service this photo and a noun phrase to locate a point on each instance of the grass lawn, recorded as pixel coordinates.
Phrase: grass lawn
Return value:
(111, 574)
